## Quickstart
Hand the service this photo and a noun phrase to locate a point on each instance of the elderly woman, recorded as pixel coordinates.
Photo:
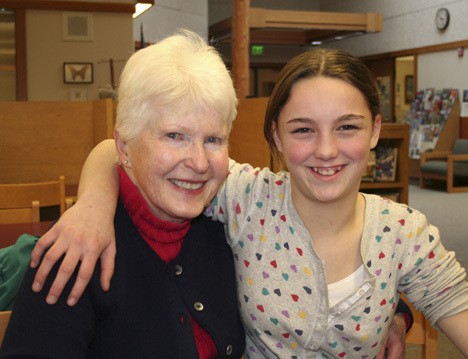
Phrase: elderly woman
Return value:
(173, 293)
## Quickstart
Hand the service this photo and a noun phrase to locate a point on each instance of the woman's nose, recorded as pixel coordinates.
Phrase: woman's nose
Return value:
(197, 158)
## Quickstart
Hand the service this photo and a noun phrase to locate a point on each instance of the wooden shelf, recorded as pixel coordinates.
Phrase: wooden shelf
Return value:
(393, 135)
(381, 185)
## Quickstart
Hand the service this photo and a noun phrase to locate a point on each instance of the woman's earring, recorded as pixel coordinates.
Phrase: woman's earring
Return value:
(126, 162)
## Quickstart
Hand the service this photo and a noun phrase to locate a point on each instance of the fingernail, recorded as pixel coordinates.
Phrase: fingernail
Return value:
(71, 302)
(36, 286)
(51, 299)
(33, 264)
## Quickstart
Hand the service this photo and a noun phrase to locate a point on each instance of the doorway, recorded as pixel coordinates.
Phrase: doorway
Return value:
(405, 86)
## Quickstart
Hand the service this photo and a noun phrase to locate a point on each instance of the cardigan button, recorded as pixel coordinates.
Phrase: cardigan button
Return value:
(229, 349)
(178, 269)
(198, 306)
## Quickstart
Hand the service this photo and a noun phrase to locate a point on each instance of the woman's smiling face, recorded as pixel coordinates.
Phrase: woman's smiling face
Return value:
(325, 132)
(178, 163)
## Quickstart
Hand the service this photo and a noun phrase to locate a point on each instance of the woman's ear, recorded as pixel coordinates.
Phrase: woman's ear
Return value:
(122, 149)
(376, 126)
(276, 137)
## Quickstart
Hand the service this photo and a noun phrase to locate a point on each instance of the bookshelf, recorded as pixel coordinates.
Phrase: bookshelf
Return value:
(393, 135)
(246, 145)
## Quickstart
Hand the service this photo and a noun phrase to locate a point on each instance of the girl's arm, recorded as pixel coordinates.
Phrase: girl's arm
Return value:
(84, 232)
(455, 328)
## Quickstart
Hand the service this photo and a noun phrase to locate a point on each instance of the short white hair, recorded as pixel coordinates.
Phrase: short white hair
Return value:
(180, 74)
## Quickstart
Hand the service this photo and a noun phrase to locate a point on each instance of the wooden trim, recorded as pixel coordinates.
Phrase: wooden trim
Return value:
(20, 56)
(68, 6)
(418, 50)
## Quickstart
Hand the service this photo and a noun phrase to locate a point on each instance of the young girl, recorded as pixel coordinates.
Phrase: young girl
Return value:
(320, 266)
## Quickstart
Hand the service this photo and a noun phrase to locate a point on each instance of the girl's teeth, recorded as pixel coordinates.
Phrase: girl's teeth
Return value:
(325, 171)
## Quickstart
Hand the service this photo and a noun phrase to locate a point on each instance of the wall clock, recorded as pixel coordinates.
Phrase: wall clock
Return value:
(442, 18)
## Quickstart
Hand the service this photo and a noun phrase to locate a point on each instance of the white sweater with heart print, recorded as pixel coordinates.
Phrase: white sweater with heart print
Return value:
(282, 285)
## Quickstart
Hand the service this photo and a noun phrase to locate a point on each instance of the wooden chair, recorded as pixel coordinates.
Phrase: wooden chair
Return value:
(21, 215)
(446, 166)
(21, 195)
(4, 319)
(422, 333)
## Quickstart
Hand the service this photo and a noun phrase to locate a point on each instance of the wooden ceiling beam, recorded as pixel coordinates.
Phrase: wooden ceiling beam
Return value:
(290, 19)
(298, 27)
(277, 37)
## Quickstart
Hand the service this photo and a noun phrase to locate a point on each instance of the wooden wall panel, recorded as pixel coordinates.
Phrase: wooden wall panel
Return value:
(246, 142)
(41, 140)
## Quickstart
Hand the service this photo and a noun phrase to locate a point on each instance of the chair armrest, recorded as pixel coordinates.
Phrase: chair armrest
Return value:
(454, 158)
(440, 155)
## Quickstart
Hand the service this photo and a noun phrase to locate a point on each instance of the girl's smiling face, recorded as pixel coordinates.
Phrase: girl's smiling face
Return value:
(325, 132)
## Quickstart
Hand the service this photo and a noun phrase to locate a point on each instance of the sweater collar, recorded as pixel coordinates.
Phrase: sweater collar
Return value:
(149, 225)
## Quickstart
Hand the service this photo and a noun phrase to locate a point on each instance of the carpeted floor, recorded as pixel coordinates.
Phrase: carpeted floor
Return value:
(448, 212)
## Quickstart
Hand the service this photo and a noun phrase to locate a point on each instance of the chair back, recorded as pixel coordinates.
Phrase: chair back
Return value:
(4, 320)
(21, 215)
(422, 333)
(21, 195)
(460, 147)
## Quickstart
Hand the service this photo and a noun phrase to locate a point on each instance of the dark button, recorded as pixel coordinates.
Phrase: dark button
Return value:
(198, 306)
(178, 269)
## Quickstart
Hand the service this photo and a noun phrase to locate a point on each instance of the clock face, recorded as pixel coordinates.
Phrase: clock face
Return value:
(442, 18)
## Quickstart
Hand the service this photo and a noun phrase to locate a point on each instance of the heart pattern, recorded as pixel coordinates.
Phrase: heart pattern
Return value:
(281, 281)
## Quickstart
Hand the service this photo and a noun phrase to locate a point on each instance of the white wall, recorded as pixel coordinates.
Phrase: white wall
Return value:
(47, 51)
(406, 24)
(167, 16)
(222, 9)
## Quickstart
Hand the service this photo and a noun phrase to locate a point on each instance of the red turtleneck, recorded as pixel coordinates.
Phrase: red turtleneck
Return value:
(166, 239)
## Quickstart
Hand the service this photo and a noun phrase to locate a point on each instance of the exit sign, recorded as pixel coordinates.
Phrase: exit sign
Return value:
(256, 50)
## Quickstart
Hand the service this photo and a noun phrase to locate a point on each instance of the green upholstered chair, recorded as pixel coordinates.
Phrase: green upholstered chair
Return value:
(449, 166)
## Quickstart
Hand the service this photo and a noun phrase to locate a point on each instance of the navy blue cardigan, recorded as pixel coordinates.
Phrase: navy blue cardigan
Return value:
(146, 313)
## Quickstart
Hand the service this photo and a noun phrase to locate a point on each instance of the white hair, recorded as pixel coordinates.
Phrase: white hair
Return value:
(181, 73)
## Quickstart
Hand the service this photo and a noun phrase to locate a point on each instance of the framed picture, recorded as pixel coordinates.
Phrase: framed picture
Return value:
(409, 89)
(78, 72)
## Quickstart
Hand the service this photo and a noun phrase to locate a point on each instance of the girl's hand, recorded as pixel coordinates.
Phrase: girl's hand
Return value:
(394, 347)
(84, 234)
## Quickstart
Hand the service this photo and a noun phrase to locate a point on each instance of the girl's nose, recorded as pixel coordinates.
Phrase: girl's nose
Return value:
(326, 147)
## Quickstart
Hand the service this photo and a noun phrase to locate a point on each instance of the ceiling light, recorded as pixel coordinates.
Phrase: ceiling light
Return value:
(142, 6)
